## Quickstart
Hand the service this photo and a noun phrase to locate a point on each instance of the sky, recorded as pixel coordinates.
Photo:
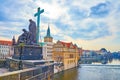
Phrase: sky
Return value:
(91, 24)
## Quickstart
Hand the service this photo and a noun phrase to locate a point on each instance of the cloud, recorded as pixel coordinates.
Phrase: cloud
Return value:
(81, 21)
(53, 10)
(93, 31)
(76, 13)
(101, 10)
(9, 29)
(17, 10)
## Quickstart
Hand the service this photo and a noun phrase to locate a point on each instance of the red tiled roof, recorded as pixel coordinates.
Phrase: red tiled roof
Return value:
(3, 42)
(75, 46)
(67, 44)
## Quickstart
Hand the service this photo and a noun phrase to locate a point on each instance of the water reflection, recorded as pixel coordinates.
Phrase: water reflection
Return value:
(99, 72)
(92, 72)
(71, 74)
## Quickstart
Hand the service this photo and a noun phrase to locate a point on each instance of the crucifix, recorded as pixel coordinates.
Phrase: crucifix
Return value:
(38, 22)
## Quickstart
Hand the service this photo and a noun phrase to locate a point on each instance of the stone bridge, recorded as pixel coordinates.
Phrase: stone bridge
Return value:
(36, 73)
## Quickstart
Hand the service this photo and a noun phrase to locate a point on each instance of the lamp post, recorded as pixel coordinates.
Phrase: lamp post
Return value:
(20, 56)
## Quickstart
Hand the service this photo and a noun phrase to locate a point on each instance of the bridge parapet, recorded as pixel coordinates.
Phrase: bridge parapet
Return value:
(36, 73)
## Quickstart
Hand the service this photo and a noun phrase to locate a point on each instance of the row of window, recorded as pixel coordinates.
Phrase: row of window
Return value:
(49, 55)
(4, 50)
(1, 46)
(60, 49)
(3, 56)
(71, 61)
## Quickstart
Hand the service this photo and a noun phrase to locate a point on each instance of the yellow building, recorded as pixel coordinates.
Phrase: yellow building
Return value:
(67, 53)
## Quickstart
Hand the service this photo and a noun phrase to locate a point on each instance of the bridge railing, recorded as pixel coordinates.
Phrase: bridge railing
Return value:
(37, 73)
(42, 76)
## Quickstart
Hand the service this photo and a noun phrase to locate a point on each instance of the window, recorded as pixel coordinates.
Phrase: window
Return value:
(71, 55)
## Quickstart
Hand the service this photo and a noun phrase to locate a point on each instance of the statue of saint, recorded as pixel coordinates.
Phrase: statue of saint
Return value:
(28, 37)
(32, 30)
(23, 37)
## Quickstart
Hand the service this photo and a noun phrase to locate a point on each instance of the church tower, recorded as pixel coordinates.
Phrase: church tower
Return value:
(48, 45)
(48, 37)
(13, 41)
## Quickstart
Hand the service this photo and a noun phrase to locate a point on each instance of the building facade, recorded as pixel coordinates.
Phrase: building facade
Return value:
(47, 50)
(6, 49)
(48, 45)
(66, 53)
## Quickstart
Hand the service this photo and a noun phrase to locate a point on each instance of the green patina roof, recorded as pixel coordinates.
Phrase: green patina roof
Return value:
(42, 43)
(48, 32)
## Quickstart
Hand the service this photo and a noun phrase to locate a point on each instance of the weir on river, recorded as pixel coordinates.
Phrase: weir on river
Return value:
(91, 72)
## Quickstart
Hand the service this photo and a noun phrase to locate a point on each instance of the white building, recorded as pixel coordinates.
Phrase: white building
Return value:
(47, 50)
(48, 46)
(6, 49)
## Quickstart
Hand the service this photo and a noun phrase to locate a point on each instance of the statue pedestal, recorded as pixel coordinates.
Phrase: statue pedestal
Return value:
(15, 64)
(23, 57)
(27, 52)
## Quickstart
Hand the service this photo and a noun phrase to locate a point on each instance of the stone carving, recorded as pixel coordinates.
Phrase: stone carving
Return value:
(28, 37)
(23, 37)
(32, 30)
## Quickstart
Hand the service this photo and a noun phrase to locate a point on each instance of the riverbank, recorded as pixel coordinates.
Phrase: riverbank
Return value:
(58, 68)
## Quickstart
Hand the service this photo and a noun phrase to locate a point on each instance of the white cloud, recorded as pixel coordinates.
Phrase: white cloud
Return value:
(53, 10)
(57, 10)
(87, 4)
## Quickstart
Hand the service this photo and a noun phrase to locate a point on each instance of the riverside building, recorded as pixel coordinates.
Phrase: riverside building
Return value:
(48, 45)
(6, 49)
(66, 53)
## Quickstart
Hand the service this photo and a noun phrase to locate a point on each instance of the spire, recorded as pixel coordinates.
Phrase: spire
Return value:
(13, 41)
(48, 32)
(48, 37)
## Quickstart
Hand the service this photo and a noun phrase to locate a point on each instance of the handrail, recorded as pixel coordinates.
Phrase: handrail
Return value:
(42, 75)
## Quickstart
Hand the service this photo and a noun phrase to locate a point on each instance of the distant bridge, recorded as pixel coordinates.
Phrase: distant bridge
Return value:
(103, 65)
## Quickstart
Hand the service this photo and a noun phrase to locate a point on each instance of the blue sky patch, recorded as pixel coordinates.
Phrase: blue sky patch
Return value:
(100, 10)
(73, 19)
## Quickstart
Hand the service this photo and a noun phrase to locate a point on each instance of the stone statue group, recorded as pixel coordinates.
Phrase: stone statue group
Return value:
(28, 37)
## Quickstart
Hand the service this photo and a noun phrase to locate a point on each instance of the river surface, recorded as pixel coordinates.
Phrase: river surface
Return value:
(91, 72)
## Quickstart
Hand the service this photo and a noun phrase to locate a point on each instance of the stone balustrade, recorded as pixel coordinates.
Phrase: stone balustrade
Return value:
(37, 73)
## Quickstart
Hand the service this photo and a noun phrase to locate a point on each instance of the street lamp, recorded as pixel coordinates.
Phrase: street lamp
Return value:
(20, 56)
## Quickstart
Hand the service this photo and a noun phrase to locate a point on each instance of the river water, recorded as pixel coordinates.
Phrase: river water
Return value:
(91, 72)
